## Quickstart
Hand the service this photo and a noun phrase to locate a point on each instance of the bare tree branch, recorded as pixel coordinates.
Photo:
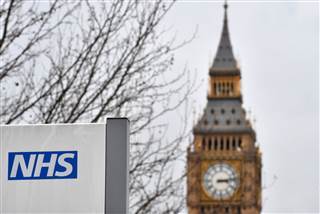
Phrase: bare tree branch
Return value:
(80, 61)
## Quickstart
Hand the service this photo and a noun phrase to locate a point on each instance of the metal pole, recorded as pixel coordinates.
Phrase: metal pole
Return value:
(117, 166)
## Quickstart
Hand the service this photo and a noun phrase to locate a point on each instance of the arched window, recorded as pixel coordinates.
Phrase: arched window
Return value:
(203, 143)
(215, 144)
(228, 142)
(205, 122)
(223, 88)
(228, 122)
(212, 111)
(202, 210)
(227, 87)
(221, 144)
(210, 144)
(238, 122)
(233, 143)
(238, 210)
(232, 88)
(214, 88)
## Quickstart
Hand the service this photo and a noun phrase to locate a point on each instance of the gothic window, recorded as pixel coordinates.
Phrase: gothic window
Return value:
(228, 144)
(223, 88)
(233, 143)
(238, 210)
(205, 122)
(227, 87)
(203, 143)
(221, 144)
(228, 122)
(210, 144)
(215, 144)
(202, 210)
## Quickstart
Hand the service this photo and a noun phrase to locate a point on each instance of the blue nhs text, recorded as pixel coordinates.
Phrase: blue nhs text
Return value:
(42, 165)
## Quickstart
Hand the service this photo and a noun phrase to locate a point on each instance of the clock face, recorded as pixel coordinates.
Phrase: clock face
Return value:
(220, 181)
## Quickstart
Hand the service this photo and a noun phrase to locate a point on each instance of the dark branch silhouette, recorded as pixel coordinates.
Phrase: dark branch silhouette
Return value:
(81, 61)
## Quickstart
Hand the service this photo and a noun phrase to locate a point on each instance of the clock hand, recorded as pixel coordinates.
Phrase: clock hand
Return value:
(223, 180)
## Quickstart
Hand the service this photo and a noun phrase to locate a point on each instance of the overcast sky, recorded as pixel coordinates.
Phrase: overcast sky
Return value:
(277, 45)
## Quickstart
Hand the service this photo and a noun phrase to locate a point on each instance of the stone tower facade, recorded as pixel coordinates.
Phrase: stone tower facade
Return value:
(223, 162)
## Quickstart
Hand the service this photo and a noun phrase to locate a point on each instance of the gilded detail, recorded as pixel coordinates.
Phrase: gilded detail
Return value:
(224, 163)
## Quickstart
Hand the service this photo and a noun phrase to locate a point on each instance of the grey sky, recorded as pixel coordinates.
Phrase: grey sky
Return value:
(277, 45)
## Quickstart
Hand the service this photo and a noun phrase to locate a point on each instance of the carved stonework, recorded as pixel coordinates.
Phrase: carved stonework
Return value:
(223, 163)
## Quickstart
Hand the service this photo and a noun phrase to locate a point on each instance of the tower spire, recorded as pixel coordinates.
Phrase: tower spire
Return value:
(224, 133)
(225, 6)
(224, 59)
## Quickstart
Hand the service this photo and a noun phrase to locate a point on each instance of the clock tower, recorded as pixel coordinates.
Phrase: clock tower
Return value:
(223, 162)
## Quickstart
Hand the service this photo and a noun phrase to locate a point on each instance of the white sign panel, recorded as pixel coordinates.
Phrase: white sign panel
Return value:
(52, 168)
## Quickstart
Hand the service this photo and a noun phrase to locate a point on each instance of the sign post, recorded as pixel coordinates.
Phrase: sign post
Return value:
(117, 166)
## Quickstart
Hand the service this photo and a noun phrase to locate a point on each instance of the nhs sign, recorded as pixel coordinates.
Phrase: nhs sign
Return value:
(42, 165)
(64, 168)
